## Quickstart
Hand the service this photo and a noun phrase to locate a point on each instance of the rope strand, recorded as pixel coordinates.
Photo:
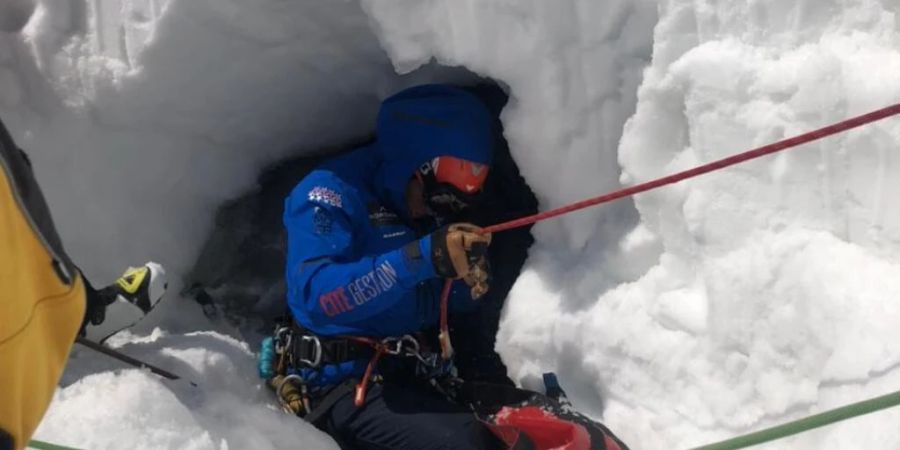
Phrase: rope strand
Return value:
(807, 423)
(795, 427)
(775, 147)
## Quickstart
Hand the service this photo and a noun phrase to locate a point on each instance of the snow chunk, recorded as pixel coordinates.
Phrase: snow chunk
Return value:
(132, 409)
(228, 408)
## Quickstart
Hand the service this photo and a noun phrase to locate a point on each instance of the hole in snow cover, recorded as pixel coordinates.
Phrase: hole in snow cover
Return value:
(240, 269)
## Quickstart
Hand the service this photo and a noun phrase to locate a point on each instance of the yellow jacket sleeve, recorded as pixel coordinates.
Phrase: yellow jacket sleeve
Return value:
(41, 300)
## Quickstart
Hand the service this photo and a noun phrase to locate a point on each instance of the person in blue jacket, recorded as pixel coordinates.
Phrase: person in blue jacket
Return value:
(371, 240)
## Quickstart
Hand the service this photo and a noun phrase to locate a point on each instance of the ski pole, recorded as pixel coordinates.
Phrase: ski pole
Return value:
(127, 359)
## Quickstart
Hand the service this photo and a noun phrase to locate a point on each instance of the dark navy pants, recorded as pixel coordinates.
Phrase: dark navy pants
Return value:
(398, 417)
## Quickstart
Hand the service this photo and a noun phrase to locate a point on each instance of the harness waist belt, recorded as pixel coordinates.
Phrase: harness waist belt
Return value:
(312, 351)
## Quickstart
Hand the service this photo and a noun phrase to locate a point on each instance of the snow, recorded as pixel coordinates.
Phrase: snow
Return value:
(572, 69)
(136, 409)
(693, 313)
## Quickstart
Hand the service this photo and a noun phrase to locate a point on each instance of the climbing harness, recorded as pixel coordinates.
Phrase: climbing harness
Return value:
(282, 369)
(289, 358)
(428, 365)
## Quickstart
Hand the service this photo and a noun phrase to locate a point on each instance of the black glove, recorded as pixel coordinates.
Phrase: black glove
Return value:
(96, 303)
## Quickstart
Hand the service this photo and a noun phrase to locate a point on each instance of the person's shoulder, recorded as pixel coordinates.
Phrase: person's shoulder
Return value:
(340, 182)
(324, 188)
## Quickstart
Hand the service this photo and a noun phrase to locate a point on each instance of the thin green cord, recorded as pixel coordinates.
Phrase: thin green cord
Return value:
(39, 445)
(758, 437)
(807, 423)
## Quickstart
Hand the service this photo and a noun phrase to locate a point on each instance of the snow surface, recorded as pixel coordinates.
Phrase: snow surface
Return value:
(693, 313)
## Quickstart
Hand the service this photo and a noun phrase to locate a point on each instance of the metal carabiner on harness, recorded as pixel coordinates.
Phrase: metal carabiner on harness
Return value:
(317, 351)
(413, 349)
(283, 338)
(392, 345)
(405, 345)
(291, 393)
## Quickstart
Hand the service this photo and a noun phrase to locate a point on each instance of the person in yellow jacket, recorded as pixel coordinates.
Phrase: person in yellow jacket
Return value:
(45, 301)
(42, 296)
(42, 299)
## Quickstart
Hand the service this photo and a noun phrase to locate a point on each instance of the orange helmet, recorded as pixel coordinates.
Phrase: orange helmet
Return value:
(451, 184)
(467, 176)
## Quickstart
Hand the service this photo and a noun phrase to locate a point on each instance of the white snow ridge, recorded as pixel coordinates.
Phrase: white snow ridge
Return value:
(724, 304)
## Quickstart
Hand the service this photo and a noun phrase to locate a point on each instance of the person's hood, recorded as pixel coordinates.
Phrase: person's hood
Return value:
(421, 123)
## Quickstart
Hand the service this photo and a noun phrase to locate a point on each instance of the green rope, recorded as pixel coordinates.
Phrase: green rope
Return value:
(759, 437)
(807, 423)
(39, 445)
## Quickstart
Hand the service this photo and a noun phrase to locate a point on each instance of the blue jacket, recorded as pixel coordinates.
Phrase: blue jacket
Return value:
(354, 265)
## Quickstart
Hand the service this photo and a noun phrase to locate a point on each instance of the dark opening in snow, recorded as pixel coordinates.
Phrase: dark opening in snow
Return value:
(240, 271)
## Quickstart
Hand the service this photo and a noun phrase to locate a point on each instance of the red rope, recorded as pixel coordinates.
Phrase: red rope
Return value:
(444, 336)
(359, 394)
(706, 168)
(447, 348)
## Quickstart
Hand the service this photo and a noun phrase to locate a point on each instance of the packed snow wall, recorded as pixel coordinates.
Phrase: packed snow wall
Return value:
(775, 292)
(759, 294)
(697, 312)
(142, 117)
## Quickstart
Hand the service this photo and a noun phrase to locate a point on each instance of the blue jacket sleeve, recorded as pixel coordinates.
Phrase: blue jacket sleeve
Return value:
(330, 291)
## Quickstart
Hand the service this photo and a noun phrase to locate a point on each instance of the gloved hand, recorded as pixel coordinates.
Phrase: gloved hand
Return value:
(459, 251)
(95, 308)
